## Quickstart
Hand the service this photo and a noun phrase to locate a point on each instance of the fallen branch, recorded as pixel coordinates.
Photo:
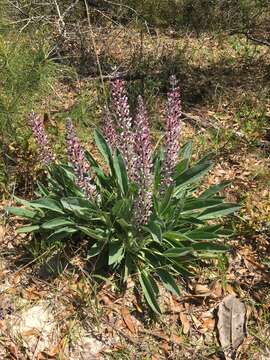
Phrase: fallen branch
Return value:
(258, 41)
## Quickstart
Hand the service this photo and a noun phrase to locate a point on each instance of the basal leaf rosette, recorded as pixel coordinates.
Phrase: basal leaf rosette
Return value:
(141, 213)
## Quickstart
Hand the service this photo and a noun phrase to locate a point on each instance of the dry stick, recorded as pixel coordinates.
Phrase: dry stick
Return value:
(197, 121)
(17, 7)
(69, 8)
(95, 48)
(258, 41)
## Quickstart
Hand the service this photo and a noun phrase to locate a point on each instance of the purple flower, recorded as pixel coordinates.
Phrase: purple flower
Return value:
(143, 165)
(77, 159)
(125, 136)
(172, 132)
(45, 151)
(109, 130)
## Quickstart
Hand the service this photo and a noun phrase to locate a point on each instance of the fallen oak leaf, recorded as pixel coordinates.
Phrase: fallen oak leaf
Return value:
(185, 322)
(207, 325)
(165, 347)
(31, 332)
(201, 290)
(57, 349)
(128, 320)
(176, 339)
(13, 351)
(196, 322)
(231, 324)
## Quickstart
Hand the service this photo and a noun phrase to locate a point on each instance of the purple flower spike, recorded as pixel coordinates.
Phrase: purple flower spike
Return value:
(172, 133)
(109, 130)
(143, 166)
(45, 151)
(77, 159)
(126, 136)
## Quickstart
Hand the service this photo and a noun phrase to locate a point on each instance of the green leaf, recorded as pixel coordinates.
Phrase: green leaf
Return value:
(165, 202)
(42, 189)
(186, 150)
(219, 211)
(129, 266)
(148, 291)
(55, 223)
(121, 172)
(124, 224)
(79, 207)
(47, 203)
(191, 175)
(207, 158)
(211, 228)
(96, 249)
(22, 201)
(105, 151)
(116, 252)
(62, 179)
(103, 146)
(62, 233)
(225, 232)
(210, 247)
(180, 269)
(195, 204)
(212, 190)
(201, 235)
(92, 161)
(181, 167)
(27, 229)
(174, 235)
(155, 230)
(21, 212)
(92, 233)
(121, 208)
(177, 252)
(157, 168)
(168, 281)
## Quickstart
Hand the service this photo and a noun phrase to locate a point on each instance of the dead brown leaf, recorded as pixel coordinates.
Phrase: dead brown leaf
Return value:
(176, 339)
(2, 233)
(165, 347)
(196, 321)
(231, 324)
(56, 349)
(128, 320)
(201, 290)
(207, 325)
(185, 322)
(31, 332)
(216, 290)
(13, 351)
(31, 294)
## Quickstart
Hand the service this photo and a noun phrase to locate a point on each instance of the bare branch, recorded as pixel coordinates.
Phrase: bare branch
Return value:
(258, 41)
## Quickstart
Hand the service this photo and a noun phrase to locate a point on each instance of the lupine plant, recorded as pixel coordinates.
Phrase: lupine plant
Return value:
(142, 213)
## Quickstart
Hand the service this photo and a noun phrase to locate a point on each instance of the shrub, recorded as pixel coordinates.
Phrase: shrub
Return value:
(140, 212)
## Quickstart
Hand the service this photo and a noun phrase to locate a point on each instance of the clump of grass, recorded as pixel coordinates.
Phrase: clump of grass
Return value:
(27, 77)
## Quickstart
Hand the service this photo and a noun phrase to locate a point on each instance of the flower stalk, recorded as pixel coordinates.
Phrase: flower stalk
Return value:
(109, 130)
(126, 136)
(45, 151)
(77, 159)
(172, 132)
(143, 165)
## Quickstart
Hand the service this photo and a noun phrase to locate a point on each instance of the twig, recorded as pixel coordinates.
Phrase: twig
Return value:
(258, 41)
(60, 21)
(95, 47)
(69, 8)
(17, 7)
